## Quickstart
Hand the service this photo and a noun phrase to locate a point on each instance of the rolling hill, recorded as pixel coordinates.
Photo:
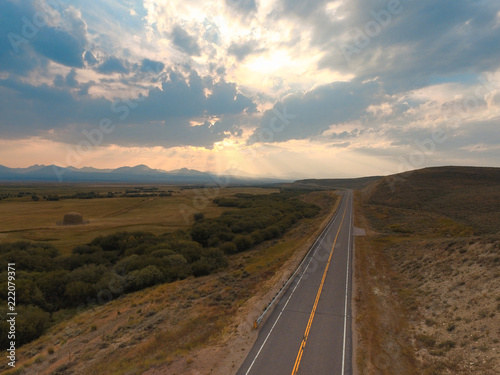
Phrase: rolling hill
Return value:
(427, 272)
(332, 183)
(467, 195)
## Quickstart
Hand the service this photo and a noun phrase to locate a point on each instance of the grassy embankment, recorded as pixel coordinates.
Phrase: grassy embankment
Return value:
(428, 273)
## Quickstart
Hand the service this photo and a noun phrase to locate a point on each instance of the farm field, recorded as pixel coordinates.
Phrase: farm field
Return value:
(25, 219)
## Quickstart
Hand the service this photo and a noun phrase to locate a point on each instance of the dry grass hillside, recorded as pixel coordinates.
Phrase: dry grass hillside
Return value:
(332, 183)
(468, 196)
(428, 282)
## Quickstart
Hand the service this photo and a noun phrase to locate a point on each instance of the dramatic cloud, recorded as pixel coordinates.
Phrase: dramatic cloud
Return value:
(185, 42)
(243, 49)
(112, 65)
(244, 6)
(365, 82)
(304, 115)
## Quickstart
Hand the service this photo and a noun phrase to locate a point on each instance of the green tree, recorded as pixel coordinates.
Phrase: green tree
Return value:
(31, 323)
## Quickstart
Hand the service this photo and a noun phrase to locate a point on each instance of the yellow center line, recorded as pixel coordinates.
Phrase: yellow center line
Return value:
(313, 312)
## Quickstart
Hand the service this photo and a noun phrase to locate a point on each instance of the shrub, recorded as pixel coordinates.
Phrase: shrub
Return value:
(200, 232)
(144, 278)
(32, 322)
(242, 242)
(162, 253)
(428, 341)
(215, 257)
(447, 345)
(199, 216)
(229, 248)
(78, 291)
(258, 237)
(201, 268)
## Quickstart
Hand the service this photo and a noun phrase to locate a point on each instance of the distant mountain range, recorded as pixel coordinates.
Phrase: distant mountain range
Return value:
(137, 174)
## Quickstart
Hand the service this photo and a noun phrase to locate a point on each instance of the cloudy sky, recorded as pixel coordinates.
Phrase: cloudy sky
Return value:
(290, 88)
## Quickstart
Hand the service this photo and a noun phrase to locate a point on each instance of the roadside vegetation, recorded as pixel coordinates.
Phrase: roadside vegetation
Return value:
(165, 328)
(51, 286)
(428, 280)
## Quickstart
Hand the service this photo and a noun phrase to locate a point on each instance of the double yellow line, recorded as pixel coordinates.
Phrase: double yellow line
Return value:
(313, 312)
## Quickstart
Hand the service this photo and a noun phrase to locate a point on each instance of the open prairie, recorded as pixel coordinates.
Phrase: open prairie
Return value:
(26, 219)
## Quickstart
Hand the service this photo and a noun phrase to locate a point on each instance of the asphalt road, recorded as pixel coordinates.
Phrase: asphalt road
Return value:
(309, 330)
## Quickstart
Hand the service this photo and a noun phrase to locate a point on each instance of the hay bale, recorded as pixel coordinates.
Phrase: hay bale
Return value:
(73, 218)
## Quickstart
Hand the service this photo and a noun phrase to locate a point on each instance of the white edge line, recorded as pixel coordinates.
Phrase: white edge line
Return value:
(346, 294)
(279, 316)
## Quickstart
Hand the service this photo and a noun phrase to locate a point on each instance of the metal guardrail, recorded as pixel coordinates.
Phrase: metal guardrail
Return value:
(257, 322)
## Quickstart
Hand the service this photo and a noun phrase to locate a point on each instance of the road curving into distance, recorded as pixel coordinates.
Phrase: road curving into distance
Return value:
(309, 330)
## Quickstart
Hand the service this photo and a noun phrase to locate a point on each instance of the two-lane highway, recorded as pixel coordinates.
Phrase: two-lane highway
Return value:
(309, 331)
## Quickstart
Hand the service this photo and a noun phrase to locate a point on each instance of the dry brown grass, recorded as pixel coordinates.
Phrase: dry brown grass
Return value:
(383, 345)
(451, 289)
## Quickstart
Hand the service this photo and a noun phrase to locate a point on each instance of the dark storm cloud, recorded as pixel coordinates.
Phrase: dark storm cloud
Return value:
(69, 80)
(185, 98)
(304, 115)
(175, 132)
(60, 46)
(407, 43)
(301, 8)
(243, 49)
(13, 55)
(27, 37)
(185, 42)
(243, 6)
(150, 66)
(62, 110)
(113, 65)
(162, 118)
(28, 41)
